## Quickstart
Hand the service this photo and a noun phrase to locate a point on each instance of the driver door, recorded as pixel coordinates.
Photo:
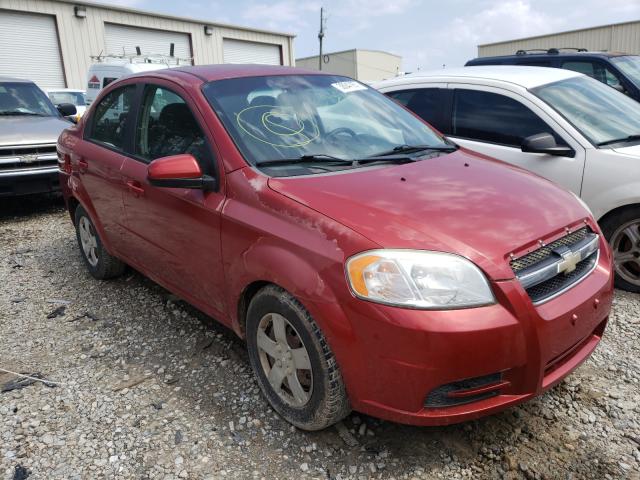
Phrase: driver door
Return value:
(174, 233)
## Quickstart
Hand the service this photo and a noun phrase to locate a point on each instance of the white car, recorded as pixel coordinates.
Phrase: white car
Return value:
(102, 74)
(69, 95)
(557, 123)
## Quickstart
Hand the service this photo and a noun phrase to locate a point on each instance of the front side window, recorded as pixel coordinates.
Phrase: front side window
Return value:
(602, 114)
(22, 99)
(74, 98)
(167, 127)
(595, 70)
(276, 118)
(111, 117)
(494, 118)
(584, 67)
(427, 103)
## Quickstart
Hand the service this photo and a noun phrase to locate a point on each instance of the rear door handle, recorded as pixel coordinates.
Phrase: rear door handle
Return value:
(135, 188)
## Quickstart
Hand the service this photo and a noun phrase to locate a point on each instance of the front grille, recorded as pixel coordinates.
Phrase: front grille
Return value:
(28, 157)
(546, 251)
(561, 282)
(541, 272)
(439, 397)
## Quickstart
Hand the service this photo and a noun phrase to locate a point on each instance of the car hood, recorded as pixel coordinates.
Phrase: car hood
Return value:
(633, 150)
(461, 203)
(30, 130)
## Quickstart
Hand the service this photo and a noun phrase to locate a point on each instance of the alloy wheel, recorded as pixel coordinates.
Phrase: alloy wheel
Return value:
(284, 359)
(89, 241)
(625, 243)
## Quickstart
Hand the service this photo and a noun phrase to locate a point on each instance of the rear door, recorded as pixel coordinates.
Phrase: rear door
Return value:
(494, 121)
(98, 159)
(174, 233)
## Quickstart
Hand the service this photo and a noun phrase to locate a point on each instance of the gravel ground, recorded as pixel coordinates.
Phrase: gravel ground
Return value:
(150, 388)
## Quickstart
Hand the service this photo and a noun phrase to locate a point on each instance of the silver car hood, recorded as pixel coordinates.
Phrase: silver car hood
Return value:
(30, 130)
(633, 150)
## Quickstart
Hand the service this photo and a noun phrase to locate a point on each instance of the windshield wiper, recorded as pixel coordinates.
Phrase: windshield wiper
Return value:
(330, 160)
(630, 138)
(320, 158)
(17, 112)
(417, 148)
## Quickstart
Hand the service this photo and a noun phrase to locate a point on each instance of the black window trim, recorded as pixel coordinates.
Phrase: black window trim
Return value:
(552, 131)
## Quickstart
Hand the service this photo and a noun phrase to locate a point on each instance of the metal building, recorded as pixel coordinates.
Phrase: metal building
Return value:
(618, 37)
(363, 65)
(52, 41)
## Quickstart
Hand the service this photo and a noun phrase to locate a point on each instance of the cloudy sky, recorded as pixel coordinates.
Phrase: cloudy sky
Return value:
(426, 33)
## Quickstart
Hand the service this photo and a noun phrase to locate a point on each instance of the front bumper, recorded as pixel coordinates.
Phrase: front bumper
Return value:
(397, 357)
(29, 181)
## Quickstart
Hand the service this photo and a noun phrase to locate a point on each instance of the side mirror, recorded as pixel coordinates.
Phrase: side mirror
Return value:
(67, 109)
(179, 171)
(545, 143)
(619, 87)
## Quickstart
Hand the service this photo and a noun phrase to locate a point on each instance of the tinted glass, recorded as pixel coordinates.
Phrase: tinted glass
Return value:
(586, 68)
(600, 113)
(425, 102)
(21, 99)
(111, 117)
(287, 116)
(596, 70)
(494, 118)
(167, 127)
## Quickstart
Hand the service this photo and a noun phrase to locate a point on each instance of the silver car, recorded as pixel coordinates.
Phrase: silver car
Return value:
(29, 128)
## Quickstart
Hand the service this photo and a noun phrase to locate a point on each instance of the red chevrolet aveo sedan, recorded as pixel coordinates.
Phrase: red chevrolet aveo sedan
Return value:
(368, 262)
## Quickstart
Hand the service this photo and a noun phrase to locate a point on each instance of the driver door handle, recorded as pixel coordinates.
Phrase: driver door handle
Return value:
(83, 165)
(135, 187)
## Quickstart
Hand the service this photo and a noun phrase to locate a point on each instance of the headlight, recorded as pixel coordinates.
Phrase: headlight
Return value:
(583, 203)
(418, 279)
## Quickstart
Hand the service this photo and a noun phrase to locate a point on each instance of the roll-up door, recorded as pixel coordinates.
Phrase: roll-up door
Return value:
(121, 39)
(241, 51)
(29, 48)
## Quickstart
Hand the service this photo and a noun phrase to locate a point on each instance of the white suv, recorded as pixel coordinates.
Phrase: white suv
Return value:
(559, 124)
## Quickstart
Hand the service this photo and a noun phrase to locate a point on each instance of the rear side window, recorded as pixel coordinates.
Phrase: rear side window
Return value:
(587, 68)
(596, 70)
(167, 127)
(428, 103)
(494, 118)
(111, 117)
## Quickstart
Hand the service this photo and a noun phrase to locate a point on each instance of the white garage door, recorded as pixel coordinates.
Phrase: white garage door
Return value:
(29, 48)
(240, 51)
(124, 39)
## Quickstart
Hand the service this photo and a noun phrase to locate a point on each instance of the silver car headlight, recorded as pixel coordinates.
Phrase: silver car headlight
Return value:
(418, 279)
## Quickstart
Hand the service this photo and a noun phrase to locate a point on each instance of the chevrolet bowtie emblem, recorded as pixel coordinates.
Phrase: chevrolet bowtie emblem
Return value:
(569, 261)
(28, 158)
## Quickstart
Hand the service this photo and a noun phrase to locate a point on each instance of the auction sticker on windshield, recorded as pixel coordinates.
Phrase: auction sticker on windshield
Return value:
(347, 87)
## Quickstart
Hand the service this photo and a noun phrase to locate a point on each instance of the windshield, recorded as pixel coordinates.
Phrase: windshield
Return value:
(24, 99)
(283, 117)
(630, 66)
(74, 98)
(600, 113)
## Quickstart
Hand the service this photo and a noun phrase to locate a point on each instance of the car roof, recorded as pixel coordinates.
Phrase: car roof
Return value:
(526, 77)
(209, 73)
(73, 90)
(14, 80)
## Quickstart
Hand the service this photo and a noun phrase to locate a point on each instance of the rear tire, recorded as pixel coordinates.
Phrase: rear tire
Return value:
(622, 231)
(101, 265)
(287, 349)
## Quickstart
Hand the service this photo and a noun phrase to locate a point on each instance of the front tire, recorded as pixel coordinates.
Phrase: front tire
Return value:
(101, 265)
(622, 231)
(293, 363)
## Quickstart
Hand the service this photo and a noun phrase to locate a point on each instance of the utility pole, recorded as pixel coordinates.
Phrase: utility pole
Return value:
(321, 36)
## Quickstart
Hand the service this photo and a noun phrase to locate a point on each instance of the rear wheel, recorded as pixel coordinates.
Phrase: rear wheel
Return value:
(100, 264)
(292, 361)
(622, 230)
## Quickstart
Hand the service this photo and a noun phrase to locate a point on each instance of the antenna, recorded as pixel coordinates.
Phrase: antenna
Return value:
(321, 36)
